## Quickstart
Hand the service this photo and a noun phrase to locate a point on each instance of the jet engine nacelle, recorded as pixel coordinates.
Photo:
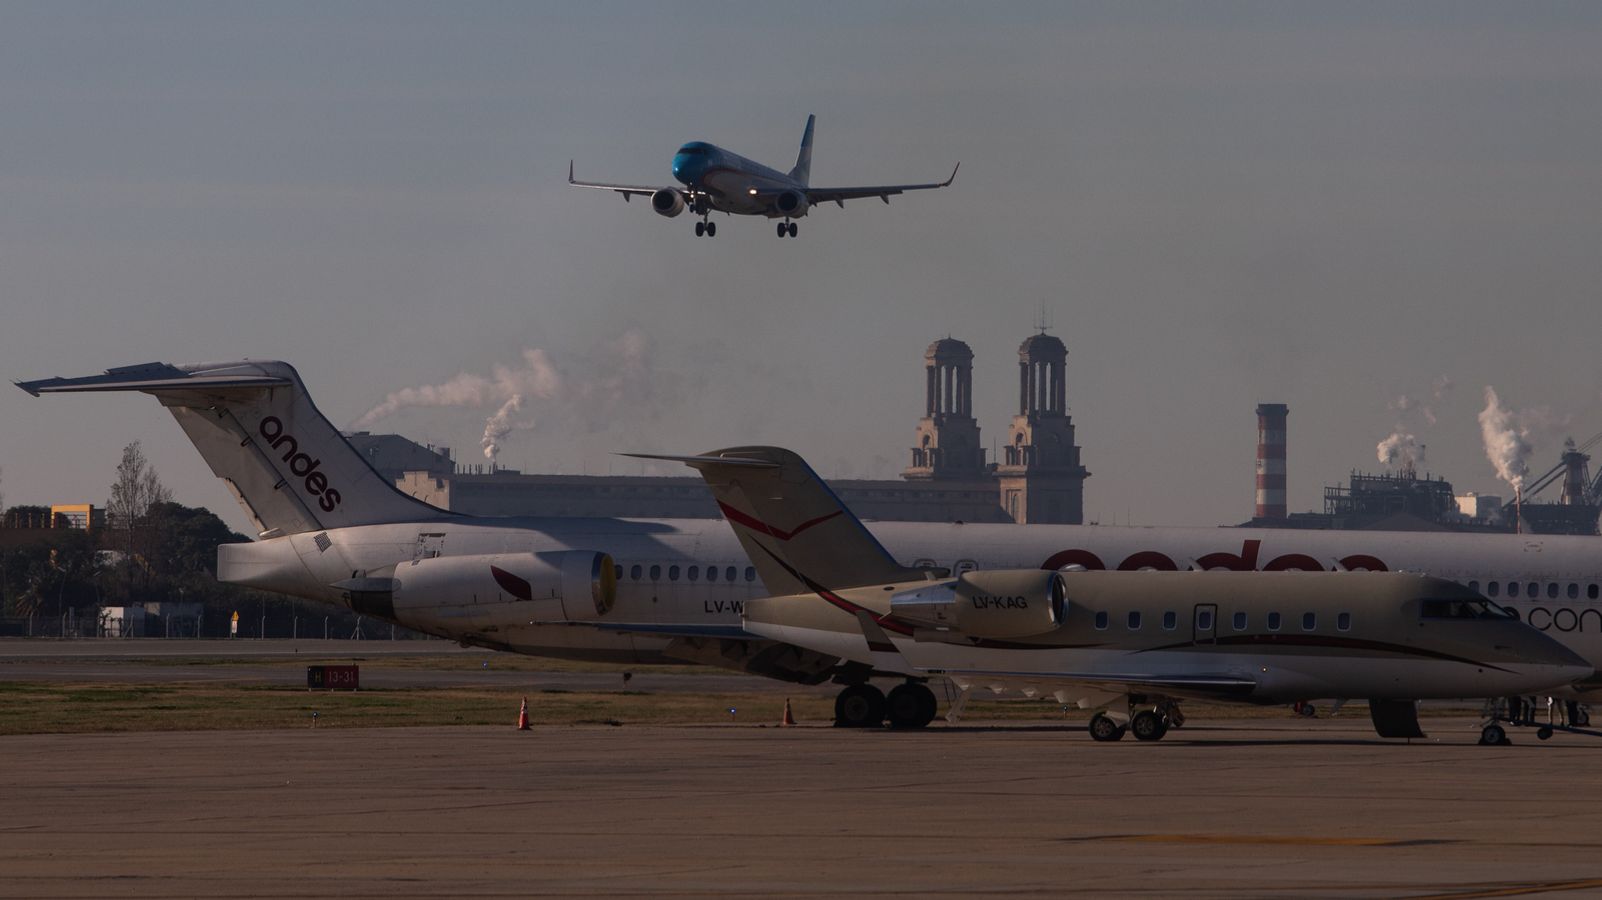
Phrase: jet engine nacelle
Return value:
(505, 589)
(791, 203)
(1002, 603)
(667, 202)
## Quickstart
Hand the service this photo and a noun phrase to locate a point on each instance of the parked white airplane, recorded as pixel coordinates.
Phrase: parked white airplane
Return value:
(1252, 637)
(640, 590)
(718, 179)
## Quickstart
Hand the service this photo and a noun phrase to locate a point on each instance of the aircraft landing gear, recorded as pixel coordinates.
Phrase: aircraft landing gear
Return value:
(910, 705)
(710, 229)
(1148, 725)
(787, 228)
(1104, 728)
(859, 706)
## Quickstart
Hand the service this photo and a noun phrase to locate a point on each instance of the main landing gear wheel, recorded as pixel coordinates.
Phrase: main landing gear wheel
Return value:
(711, 229)
(1493, 735)
(700, 229)
(1103, 728)
(786, 228)
(1148, 726)
(859, 706)
(910, 705)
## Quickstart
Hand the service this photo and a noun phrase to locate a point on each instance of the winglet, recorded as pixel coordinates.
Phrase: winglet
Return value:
(953, 177)
(570, 172)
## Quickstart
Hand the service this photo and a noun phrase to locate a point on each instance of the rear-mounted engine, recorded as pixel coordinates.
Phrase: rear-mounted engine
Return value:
(506, 588)
(1005, 603)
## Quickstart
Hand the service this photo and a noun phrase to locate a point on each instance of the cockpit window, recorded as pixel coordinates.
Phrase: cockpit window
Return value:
(1462, 609)
(692, 150)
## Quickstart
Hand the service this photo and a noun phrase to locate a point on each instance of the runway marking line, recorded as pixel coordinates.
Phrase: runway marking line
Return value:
(1275, 839)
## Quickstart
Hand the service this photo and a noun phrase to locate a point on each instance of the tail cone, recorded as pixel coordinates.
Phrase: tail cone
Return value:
(522, 716)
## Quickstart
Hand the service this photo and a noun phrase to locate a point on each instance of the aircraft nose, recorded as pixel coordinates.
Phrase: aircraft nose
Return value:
(1563, 662)
(685, 169)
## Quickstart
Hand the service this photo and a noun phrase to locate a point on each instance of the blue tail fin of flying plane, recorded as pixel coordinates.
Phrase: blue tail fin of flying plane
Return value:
(803, 160)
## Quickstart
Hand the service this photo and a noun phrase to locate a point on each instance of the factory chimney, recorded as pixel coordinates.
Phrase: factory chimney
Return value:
(1271, 460)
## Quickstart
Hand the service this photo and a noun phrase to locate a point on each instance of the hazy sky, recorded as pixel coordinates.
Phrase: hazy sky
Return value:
(1327, 205)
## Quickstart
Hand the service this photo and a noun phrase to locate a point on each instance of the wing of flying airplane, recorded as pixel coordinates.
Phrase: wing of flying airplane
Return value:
(839, 195)
(627, 190)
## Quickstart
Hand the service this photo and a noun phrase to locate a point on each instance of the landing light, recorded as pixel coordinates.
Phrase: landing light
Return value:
(753, 192)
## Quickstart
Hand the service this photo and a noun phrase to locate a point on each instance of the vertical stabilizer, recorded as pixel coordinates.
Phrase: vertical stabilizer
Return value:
(798, 534)
(254, 423)
(803, 161)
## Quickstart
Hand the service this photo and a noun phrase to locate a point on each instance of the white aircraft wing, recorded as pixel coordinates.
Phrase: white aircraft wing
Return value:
(627, 190)
(839, 195)
(1190, 684)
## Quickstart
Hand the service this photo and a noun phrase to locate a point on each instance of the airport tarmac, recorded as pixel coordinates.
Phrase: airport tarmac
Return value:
(1221, 808)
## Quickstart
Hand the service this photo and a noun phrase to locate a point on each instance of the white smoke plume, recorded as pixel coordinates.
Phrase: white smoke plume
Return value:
(535, 378)
(626, 387)
(1506, 438)
(1401, 449)
(1416, 410)
(1414, 413)
(500, 425)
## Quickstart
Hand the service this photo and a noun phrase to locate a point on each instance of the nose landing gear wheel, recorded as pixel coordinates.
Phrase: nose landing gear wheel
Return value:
(910, 706)
(1148, 726)
(1103, 728)
(859, 706)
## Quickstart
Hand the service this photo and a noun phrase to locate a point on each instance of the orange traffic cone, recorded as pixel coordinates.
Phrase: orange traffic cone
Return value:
(522, 716)
(788, 718)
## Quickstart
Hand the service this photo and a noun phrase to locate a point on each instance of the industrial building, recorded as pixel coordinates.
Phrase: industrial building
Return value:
(1404, 501)
(1039, 480)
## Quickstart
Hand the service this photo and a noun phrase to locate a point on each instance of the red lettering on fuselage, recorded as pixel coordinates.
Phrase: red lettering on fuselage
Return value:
(1244, 561)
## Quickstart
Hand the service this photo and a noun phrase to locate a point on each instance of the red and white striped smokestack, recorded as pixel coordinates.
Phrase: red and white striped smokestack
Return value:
(1271, 460)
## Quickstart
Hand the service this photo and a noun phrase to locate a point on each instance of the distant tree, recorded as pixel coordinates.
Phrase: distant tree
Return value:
(2, 493)
(136, 489)
(188, 539)
(50, 576)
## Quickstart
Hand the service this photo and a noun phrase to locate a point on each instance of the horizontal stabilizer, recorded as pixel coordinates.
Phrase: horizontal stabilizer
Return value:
(702, 461)
(152, 377)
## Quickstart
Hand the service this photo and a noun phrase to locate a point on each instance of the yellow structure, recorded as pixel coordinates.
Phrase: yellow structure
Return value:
(84, 516)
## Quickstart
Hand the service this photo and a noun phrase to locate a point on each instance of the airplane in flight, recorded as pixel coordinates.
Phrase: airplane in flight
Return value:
(717, 180)
(1249, 637)
(631, 591)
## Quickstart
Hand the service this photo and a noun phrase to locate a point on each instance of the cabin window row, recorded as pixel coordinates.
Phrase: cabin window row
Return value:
(1534, 590)
(692, 573)
(1239, 621)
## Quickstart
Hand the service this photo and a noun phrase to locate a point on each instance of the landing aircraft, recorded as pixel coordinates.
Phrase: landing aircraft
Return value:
(715, 179)
(1258, 637)
(631, 591)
